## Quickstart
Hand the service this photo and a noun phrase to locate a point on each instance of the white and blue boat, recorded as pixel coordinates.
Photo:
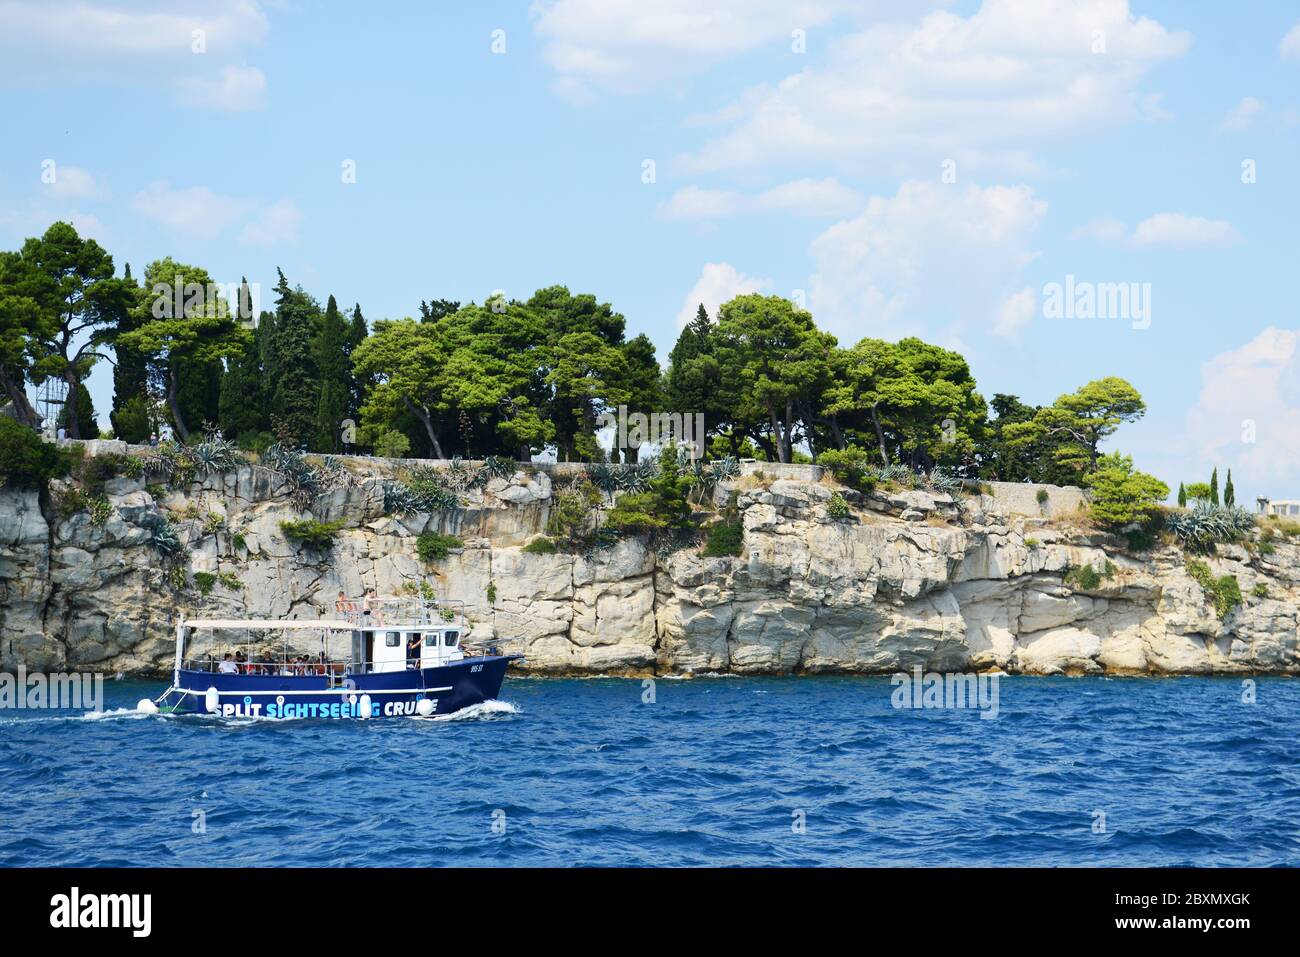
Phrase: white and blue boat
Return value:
(387, 657)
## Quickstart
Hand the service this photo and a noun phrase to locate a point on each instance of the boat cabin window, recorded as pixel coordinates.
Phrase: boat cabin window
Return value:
(451, 639)
(431, 641)
(392, 640)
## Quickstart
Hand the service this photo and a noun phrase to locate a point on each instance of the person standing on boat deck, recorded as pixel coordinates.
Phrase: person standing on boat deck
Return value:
(366, 609)
(413, 651)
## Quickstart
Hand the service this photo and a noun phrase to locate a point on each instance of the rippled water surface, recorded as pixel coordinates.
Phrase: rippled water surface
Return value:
(715, 771)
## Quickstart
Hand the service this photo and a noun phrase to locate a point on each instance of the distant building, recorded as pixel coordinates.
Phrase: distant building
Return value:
(1289, 507)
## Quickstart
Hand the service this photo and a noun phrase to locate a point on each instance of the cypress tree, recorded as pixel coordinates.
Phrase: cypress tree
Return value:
(1182, 496)
(332, 365)
(358, 387)
(296, 387)
(243, 409)
(1229, 493)
(130, 376)
(1214, 486)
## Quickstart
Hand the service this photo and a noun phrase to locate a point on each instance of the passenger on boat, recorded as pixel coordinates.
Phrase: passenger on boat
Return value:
(367, 610)
(228, 666)
(413, 651)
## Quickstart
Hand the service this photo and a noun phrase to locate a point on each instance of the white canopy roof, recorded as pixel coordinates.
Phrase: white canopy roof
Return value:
(268, 623)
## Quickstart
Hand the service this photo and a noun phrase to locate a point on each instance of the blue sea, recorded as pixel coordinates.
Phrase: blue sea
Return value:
(715, 771)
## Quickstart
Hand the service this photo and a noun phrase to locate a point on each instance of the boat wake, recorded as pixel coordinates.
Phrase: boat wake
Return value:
(484, 710)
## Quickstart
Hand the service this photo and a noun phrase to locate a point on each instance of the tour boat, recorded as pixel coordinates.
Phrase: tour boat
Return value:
(385, 657)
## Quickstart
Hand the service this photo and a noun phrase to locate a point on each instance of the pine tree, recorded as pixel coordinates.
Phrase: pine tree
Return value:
(1182, 495)
(333, 366)
(1214, 486)
(1229, 493)
(296, 387)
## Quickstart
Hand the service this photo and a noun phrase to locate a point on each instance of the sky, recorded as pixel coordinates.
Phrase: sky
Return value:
(947, 170)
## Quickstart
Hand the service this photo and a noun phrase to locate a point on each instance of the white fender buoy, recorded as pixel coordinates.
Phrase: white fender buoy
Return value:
(146, 706)
(212, 701)
(424, 707)
(364, 704)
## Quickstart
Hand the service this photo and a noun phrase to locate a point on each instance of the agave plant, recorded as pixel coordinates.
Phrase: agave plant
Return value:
(214, 456)
(163, 537)
(942, 481)
(636, 476)
(498, 466)
(1201, 527)
(605, 477)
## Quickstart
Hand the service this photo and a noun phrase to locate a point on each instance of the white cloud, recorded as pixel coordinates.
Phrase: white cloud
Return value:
(1247, 416)
(804, 197)
(1242, 116)
(1177, 229)
(931, 252)
(1290, 44)
(276, 224)
(196, 211)
(235, 88)
(1016, 313)
(73, 182)
(718, 283)
(129, 28)
(134, 41)
(629, 46)
(975, 89)
(1162, 229)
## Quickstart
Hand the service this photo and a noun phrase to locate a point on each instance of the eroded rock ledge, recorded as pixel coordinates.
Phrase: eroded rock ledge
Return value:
(904, 581)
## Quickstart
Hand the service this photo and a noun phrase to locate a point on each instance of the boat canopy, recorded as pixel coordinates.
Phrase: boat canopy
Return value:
(267, 623)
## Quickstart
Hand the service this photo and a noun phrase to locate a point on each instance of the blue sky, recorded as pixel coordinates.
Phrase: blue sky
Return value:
(798, 148)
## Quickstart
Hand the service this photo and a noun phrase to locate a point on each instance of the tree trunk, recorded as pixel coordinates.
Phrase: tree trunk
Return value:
(837, 433)
(880, 436)
(13, 387)
(782, 453)
(173, 401)
(426, 420)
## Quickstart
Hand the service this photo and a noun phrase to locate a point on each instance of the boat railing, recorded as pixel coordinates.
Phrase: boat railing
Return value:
(280, 668)
(401, 612)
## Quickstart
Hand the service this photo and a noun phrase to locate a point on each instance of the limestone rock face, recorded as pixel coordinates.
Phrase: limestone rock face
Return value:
(907, 579)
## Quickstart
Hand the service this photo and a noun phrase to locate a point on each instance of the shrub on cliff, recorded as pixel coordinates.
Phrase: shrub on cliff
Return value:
(663, 507)
(313, 534)
(572, 508)
(850, 466)
(25, 460)
(724, 538)
(541, 546)
(1224, 593)
(1122, 495)
(432, 546)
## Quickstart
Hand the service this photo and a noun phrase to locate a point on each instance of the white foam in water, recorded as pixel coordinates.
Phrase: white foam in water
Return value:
(114, 713)
(484, 709)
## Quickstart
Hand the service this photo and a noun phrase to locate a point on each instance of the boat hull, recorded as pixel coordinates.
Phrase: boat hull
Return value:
(448, 688)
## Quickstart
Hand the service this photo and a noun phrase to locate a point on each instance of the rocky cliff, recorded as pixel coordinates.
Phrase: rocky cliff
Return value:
(906, 579)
